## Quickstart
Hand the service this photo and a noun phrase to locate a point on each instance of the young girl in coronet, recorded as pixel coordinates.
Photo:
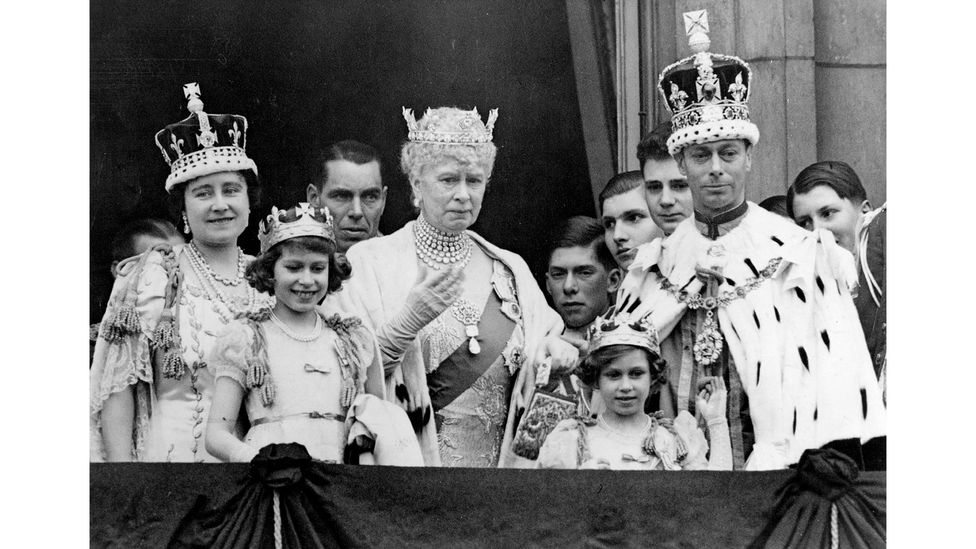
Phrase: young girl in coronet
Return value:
(303, 373)
(624, 366)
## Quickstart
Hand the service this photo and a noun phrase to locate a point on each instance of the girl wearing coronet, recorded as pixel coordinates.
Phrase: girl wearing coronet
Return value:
(150, 385)
(624, 366)
(302, 374)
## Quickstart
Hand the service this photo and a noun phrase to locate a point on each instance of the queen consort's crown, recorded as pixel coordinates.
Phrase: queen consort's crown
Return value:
(302, 220)
(435, 127)
(203, 144)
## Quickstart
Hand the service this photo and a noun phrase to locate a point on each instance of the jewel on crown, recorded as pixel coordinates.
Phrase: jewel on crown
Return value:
(302, 220)
(707, 93)
(435, 128)
(622, 325)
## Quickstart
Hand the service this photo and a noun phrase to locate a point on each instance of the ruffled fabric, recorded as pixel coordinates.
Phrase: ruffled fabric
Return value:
(231, 352)
(123, 356)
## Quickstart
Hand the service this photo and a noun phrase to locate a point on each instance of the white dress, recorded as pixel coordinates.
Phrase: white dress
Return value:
(171, 412)
(309, 378)
(603, 447)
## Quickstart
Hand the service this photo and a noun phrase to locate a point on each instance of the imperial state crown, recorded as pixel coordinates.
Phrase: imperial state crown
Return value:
(707, 93)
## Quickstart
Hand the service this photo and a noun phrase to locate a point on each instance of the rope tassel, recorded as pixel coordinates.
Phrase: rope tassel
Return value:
(268, 393)
(125, 322)
(165, 335)
(173, 365)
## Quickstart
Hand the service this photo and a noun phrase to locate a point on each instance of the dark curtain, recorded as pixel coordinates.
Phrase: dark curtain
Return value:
(147, 505)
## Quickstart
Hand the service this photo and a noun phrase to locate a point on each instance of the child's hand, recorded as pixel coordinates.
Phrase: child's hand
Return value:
(712, 397)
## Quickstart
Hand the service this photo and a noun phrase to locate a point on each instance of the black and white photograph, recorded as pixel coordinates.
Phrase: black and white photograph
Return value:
(484, 273)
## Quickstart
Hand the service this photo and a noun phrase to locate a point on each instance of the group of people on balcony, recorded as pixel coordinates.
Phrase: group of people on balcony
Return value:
(689, 327)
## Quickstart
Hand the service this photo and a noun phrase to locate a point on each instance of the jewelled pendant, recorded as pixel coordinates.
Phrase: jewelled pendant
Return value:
(708, 343)
(471, 331)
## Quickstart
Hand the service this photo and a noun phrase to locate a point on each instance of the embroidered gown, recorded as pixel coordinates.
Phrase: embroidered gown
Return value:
(315, 382)
(170, 412)
(470, 392)
(475, 398)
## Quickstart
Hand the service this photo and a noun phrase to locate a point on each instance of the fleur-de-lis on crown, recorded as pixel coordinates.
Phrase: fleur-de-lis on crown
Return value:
(235, 135)
(678, 98)
(738, 89)
(176, 145)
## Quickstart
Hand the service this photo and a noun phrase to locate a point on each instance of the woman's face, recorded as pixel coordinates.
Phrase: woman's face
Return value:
(216, 207)
(450, 194)
(625, 383)
(301, 279)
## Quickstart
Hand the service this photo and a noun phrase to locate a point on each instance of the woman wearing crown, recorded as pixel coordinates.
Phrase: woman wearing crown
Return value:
(461, 323)
(150, 384)
(624, 366)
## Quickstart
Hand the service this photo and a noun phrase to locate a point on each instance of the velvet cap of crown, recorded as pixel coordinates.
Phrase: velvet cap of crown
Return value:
(203, 144)
(620, 325)
(707, 93)
(465, 128)
(301, 220)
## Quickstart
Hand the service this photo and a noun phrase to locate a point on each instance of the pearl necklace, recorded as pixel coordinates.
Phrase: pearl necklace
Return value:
(209, 282)
(436, 248)
(312, 336)
(194, 251)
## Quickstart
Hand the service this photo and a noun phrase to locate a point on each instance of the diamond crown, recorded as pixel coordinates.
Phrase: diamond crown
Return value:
(434, 128)
(302, 220)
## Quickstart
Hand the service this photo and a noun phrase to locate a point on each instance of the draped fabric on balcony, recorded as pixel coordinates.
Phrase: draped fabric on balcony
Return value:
(190, 505)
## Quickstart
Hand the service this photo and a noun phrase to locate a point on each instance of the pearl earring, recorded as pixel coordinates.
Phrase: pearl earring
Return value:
(186, 224)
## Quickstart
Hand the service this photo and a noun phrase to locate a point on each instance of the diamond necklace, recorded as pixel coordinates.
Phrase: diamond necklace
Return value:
(436, 248)
(312, 336)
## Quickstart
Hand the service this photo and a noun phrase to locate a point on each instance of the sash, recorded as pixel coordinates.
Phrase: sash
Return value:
(458, 372)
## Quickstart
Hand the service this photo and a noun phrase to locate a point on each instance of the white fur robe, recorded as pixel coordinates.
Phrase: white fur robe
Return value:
(795, 340)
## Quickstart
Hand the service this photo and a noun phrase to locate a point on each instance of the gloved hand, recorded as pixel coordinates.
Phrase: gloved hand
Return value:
(432, 293)
(712, 398)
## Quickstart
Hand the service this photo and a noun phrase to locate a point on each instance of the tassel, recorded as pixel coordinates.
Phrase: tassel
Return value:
(348, 393)
(268, 393)
(165, 335)
(255, 374)
(125, 322)
(173, 365)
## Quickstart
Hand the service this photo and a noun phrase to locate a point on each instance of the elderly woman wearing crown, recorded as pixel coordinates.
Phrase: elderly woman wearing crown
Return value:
(150, 385)
(461, 322)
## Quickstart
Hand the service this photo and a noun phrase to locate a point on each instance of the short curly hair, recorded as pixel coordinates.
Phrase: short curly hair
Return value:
(590, 367)
(260, 273)
(414, 157)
